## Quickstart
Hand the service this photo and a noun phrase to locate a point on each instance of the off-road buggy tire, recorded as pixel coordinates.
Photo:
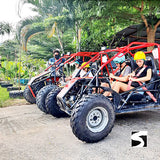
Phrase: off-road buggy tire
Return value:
(28, 95)
(13, 88)
(5, 85)
(41, 96)
(52, 106)
(93, 117)
(16, 94)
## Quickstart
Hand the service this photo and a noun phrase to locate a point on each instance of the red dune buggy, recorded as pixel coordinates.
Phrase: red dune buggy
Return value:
(98, 58)
(93, 114)
(39, 81)
(56, 77)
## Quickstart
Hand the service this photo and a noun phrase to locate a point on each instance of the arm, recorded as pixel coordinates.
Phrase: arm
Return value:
(126, 71)
(123, 79)
(68, 78)
(125, 75)
(144, 79)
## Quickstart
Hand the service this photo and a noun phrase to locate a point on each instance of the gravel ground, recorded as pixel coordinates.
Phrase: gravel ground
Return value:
(28, 134)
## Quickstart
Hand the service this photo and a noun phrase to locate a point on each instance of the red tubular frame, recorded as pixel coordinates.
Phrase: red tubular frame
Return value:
(98, 55)
(128, 48)
(70, 57)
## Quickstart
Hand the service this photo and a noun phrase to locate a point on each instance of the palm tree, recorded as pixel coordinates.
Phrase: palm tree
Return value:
(5, 28)
(66, 14)
(23, 28)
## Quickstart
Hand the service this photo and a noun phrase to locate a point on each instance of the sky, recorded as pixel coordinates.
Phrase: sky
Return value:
(8, 13)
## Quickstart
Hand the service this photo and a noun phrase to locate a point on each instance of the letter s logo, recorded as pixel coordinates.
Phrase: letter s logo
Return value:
(139, 139)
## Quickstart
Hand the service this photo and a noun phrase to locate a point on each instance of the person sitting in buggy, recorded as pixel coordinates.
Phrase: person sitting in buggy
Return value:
(51, 61)
(142, 74)
(78, 64)
(120, 72)
(86, 72)
(122, 69)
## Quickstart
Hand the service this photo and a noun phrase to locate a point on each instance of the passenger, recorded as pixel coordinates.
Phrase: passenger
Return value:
(86, 72)
(142, 74)
(123, 70)
(78, 63)
(56, 56)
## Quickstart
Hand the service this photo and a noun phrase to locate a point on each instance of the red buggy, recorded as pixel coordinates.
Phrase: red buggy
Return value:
(92, 114)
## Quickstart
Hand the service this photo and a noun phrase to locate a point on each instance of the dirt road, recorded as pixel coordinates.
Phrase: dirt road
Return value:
(28, 134)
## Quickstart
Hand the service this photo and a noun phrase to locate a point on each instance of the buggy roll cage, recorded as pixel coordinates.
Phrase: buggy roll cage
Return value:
(70, 59)
(78, 54)
(127, 49)
(93, 82)
(123, 51)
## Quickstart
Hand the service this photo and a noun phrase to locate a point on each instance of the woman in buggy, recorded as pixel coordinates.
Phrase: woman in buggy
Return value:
(119, 73)
(142, 74)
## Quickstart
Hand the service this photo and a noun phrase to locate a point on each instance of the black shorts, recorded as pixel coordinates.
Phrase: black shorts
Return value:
(135, 84)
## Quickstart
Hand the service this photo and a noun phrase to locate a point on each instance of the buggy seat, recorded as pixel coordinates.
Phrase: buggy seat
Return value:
(139, 96)
(150, 62)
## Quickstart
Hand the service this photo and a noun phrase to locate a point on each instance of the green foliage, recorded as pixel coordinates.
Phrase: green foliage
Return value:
(8, 49)
(23, 23)
(4, 96)
(40, 46)
(25, 67)
(97, 21)
(8, 70)
(31, 67)
(5, 28)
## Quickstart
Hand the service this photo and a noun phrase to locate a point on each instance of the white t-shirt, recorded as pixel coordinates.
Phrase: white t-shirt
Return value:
(75, 72)
(83, 73)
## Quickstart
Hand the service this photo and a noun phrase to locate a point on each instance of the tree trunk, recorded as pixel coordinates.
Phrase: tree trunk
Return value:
(79, 40)
(77, 43)
(60, 40)
(151, 31)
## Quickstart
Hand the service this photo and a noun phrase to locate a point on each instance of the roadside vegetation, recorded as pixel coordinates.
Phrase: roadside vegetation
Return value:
(71, 26)
(6, 101)
(4, 96)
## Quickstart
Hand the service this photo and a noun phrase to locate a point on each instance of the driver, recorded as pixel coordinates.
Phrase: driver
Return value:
(56, 56)
(123, 68)
(121, 71)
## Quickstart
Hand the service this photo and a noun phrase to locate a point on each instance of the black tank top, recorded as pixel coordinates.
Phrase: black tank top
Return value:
(143, 74)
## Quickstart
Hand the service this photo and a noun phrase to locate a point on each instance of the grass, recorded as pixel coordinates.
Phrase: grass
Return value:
(6, 101)
(4, 96)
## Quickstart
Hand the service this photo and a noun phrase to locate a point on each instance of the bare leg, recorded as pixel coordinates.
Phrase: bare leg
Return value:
(118, 86)
(104, 85)
(101, 90)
